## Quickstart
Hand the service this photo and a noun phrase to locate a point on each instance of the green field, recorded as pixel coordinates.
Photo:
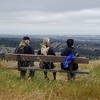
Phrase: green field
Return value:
(85, 87)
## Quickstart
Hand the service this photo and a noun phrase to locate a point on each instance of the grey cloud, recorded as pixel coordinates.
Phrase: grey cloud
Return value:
(48, 16)
(47, 5)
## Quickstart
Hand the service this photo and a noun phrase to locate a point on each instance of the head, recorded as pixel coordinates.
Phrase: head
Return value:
(70, 42)
(46, 42)
(26, 40)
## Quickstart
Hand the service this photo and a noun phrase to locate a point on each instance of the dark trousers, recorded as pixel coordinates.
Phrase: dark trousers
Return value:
(26, 64)
(70, 75)
(46, 76)
(48, 65)
(23, 73)
(74, 67)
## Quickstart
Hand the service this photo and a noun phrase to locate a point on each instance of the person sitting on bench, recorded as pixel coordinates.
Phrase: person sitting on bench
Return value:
(25, 48)
(70, 53)
(47, 50)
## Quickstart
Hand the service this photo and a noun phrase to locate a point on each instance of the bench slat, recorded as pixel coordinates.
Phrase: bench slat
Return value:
(38, 58)
(83, 71)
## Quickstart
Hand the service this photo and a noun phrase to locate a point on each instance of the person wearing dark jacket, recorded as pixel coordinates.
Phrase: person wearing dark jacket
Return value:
(47, 50)
(68, 51)
(25, 48)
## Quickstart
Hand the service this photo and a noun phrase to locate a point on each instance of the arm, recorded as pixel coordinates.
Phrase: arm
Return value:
(51, 51)
(65, 52)
(28, 50)
(39, 52)
(76, 53)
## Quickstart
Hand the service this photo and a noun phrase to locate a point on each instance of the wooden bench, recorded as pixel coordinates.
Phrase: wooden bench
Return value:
(49, 58)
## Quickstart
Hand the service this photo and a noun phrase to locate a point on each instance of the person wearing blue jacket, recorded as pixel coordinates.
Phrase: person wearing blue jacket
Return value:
(70, 53)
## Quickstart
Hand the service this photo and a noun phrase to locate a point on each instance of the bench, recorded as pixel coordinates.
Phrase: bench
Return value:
(42, 58)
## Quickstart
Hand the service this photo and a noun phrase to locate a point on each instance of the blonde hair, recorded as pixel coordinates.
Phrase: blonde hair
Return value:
(46, 41)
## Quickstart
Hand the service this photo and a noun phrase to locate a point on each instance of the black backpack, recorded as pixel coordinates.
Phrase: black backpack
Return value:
(19, 50)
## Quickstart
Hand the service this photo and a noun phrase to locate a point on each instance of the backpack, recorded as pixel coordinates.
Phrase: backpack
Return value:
(68, 61)
(19, 50)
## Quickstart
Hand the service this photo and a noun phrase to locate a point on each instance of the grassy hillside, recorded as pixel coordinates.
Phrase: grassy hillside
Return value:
(85, 87)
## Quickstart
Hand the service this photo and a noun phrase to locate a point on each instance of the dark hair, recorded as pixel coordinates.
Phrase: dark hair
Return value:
(26, 38)
(70, 42)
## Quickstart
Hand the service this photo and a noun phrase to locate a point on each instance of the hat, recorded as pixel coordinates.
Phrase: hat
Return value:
(26, 38)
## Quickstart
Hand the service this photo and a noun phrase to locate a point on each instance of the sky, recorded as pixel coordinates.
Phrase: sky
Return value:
(60, 17)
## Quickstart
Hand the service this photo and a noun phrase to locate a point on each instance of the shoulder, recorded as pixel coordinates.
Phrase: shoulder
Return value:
(63, 52)
(66, 49)
(70, 49)
(28, 46)
(51, 49)
(19, 49)
(39, 52)
(73, 48)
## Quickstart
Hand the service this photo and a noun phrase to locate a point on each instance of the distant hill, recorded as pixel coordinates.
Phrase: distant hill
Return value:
(61, 37)
(88, 46)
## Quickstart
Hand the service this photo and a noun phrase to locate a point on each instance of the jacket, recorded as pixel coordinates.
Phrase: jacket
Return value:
(47, 65)
(70, 54)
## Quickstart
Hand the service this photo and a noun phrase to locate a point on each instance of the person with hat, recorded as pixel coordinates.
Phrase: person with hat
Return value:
(25, 48)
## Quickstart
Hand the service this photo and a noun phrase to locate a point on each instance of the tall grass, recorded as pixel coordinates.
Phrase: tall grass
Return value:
(85, 87)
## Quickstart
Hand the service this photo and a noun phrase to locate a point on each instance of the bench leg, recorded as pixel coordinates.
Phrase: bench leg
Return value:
(54, 75)
(46, 75)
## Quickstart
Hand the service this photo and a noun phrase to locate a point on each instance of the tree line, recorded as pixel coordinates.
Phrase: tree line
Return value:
(90, 49)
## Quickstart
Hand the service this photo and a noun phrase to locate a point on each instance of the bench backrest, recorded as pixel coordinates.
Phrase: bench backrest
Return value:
(38, 58)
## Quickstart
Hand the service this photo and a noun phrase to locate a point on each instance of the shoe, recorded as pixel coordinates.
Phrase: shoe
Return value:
(54, 78)
(69, 76)
(29, 78)
(47, 78)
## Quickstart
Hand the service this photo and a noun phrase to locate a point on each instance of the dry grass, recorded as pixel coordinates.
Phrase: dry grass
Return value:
(85, 87)
(5, 64)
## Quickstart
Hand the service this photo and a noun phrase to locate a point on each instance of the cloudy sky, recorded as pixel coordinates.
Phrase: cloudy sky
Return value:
(80, 17)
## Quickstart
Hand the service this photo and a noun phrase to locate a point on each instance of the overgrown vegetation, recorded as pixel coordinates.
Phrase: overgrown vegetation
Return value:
(85, 87)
